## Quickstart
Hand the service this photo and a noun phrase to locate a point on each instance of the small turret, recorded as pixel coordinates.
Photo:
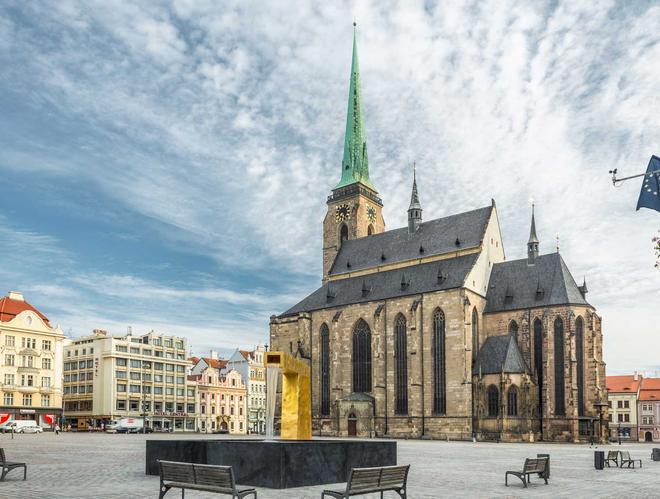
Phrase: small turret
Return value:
(583, 289)
(415, 208)
(533, 243)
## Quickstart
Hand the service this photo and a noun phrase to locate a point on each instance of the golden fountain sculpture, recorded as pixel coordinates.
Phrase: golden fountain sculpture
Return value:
(296, 403)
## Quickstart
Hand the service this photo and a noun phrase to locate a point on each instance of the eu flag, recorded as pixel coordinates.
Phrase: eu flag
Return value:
(649, 197)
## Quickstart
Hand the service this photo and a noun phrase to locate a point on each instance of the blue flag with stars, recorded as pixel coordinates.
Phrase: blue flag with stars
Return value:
(649, 197)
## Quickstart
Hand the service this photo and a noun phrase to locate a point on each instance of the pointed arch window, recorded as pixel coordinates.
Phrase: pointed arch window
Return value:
(439, 367)
(512, 401)
(475, 335)
(579, 354)
(538, 361)
(560, 405)
(343, 233)
(361, 357)
(493, 399)
(513, 329)
(325, 370)
(401, 364)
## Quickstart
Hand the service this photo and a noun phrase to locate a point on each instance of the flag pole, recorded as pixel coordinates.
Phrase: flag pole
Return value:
(615, 180)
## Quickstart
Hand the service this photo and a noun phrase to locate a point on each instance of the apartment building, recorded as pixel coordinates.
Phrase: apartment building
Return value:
(250, 364)
(30, 362)
(623, 393)
(110, 377)
(222, 397)
(649, 410)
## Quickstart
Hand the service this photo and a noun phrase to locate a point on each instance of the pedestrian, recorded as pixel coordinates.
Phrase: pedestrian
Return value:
(57, 429)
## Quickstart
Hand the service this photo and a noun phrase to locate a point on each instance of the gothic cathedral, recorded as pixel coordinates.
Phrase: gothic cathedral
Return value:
(426, 331)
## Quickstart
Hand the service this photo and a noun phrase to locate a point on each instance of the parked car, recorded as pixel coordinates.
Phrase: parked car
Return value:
(141, 430)
(32, 429)
(120, 429)
(18, 425)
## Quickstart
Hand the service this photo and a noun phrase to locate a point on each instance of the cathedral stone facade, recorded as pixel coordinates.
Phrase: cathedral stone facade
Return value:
(427, 331)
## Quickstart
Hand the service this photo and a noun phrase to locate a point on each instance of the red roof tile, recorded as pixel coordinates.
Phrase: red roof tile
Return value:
(11, 308)
(650, 389)
(623, 384)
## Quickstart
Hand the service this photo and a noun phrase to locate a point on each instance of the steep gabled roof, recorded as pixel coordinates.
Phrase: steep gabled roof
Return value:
(500, 354)
(422, 278)
(516, 284)
(436, 237)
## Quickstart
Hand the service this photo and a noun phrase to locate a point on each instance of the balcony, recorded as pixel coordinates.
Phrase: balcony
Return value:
(28, 370)
(46, 389)
(9, 387)
(27, 389)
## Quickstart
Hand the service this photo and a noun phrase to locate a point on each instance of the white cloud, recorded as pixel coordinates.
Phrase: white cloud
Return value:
(227, 124)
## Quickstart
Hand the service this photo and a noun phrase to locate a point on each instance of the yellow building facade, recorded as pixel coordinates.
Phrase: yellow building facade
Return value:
(31, 362)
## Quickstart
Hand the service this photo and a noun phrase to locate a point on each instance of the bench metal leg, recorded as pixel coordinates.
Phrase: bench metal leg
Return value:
(24, 473)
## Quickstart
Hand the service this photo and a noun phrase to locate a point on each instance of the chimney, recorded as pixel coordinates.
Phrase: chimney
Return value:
(214, 355)
(100, 332)
(635, 376)
(16, 295)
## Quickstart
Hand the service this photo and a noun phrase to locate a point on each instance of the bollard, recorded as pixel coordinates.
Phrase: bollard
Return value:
(599, 459)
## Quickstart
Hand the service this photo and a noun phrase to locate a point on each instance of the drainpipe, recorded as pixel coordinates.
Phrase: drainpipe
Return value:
(385, 381)
(421, 334)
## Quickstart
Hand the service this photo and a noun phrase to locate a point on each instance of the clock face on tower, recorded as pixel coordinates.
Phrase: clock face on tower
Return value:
(371, 214)
(341, 212)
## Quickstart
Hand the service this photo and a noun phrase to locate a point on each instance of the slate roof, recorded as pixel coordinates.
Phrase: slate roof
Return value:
(422, 278)
(435, 237)
(499, 354)
(515, 284)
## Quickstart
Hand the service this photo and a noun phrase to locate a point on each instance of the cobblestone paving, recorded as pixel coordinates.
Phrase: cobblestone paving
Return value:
(95, 466)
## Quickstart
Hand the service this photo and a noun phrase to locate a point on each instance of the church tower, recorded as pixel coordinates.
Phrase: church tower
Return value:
(354, 208)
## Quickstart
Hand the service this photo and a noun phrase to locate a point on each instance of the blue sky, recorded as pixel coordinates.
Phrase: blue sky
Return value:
(165, 164)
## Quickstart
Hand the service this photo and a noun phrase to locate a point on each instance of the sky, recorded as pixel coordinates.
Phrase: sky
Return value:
(165, 165)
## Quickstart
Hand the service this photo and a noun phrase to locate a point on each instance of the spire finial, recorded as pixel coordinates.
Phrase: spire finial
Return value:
(557, 243)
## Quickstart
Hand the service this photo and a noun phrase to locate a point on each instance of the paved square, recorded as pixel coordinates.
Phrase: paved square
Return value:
(80, 465)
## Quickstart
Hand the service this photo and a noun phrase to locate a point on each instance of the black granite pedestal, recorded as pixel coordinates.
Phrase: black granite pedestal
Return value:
(277, 464)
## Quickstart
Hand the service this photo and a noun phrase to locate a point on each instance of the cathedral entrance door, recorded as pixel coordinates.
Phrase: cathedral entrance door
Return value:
(352, 425)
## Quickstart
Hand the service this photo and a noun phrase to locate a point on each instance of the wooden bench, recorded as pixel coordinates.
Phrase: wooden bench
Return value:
(205, 477)
(537, 466)
(7, 466)
(612, 455)
(369, 480)
(626, 459)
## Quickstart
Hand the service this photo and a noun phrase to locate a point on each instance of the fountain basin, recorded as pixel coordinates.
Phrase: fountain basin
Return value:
(277, 464)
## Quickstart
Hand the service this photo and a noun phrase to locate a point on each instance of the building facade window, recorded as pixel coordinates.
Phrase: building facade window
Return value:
(513, 329)
(361, 357)
(579, 355)
(46, 363)
(538, 362)
(45, 400)
(439, 366)
(401, 363)
(493, 399)
(45, 344)
(560, 406)
(8, 399)
(27, 399)
(325, 370)
(10, 341)
(475, 335)
(512, 401)
(9, 359)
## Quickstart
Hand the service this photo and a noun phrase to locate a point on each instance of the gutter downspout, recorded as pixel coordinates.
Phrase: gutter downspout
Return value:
(421, 334)
(385, 381)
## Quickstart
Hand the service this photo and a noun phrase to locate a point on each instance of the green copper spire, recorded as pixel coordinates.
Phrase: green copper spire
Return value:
(355, 165)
